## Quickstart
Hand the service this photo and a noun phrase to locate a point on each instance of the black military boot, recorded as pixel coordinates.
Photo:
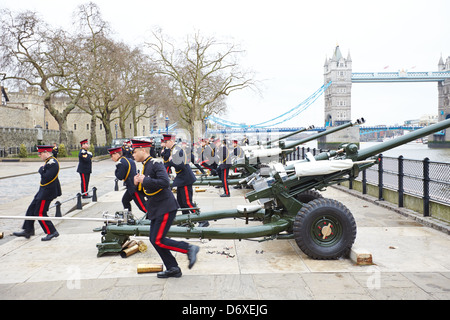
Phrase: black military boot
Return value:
(50, 236)
(192, 254)
(24, 233)
(174, 272)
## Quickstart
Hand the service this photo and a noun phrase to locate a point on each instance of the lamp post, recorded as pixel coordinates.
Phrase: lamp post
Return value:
(167, 124)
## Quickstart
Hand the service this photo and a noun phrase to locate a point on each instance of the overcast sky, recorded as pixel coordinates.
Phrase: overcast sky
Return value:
(287, 42)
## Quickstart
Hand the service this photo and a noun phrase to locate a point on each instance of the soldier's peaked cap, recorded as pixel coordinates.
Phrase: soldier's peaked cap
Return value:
(140, 144)
(168, 137)
(44, 148)
(83, 141)
(114, 150)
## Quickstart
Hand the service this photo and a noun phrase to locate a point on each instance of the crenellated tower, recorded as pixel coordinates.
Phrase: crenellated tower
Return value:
(338, 100)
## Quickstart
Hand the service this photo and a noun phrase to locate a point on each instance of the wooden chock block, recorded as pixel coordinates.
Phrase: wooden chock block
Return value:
(361, 257)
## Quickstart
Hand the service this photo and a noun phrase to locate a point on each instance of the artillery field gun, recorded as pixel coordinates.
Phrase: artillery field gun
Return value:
(258, 155)
(289, 205)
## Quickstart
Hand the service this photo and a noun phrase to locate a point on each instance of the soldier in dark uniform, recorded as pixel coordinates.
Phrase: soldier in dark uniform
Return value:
(245, 141)
(161, 210)
(49, 189)
(84, 167)
(195, 150)
(223, 159)
(207, 157)
(152, 149)
(126, 170)
(184, 179)
(127, 151)
(165, 154)
(55, 150)
(238, 153)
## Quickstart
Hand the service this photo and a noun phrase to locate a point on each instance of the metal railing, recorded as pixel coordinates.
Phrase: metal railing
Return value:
(79, 205)
(424, 179)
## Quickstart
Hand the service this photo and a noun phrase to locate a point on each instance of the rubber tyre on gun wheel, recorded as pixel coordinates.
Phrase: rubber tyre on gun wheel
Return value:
(308, 195)
(324, 229)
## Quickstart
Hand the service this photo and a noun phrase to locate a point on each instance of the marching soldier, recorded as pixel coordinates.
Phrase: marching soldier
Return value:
(207, 157)
(127, 151)
(161, 210)
(126, 170)
(245, 141)
(84, 167)
(55, 150)
(196, 150)
(184, 179)
(165, 154)
(224, 164)
(49, 189)
(237, 151)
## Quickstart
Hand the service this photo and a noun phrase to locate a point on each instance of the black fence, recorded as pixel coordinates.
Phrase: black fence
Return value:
(14, 151)
(4, 152)
(424, 179)
(421, 178)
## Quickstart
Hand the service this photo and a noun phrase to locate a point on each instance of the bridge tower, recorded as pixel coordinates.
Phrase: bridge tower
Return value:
(442, 139)
(338, 100)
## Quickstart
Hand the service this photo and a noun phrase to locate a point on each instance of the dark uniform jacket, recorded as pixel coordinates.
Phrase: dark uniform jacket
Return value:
(238, 152)
(208, 156)
(165, 154)
(126, 170)
(50, 188)
(127, 152)
(55, 151)
(156, 186)
(84, 161)
(180, 161)
(223, 157)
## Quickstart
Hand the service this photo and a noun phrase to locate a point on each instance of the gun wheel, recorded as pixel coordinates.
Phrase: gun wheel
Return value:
(308, 195)
(324, 229)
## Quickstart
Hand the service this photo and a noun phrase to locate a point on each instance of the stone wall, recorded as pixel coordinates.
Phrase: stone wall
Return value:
(14, 137)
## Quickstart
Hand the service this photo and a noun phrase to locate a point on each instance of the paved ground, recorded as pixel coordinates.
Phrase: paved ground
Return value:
(411, 261)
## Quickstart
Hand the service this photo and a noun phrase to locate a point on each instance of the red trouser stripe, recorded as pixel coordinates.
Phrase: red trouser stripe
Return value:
(203, 164)
(160, 234)
(187, 197)
(140, 202)
(225, 182)
(41, 214)
(84, 183)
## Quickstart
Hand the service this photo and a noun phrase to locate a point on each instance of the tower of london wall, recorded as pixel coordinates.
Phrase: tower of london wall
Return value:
(11, 137)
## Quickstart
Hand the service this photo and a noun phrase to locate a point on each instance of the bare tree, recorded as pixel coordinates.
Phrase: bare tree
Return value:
(93, 43)
(115, 79)
(32, 52)
(202, 74)
(138, 78)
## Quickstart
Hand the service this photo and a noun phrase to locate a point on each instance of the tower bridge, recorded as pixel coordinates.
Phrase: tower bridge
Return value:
(338, 80)
(339, 71)
(400, 76)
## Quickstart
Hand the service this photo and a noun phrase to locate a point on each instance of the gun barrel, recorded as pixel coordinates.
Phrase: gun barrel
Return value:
(286, 136)
(323, 133)
(379, 148)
